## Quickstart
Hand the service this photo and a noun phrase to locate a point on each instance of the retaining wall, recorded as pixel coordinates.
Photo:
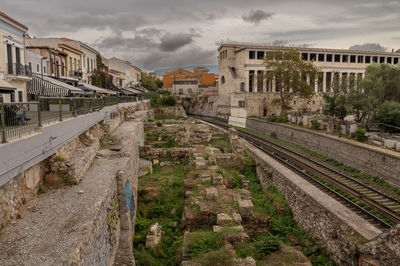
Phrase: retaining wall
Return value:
(384, 164)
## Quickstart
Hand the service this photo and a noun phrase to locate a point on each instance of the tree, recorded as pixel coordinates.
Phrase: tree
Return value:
(150, 82)
(290, 73)
(389, 113)
(381, 84)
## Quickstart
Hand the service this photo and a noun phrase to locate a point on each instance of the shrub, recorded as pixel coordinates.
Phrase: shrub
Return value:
(159, 124)
(359, 135)
(315, 124)
(278, 119)
(265, 245)
(168, 100)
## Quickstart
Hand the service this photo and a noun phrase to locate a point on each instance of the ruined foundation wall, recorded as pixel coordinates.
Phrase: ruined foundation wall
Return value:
(205, 106)
(369, 160)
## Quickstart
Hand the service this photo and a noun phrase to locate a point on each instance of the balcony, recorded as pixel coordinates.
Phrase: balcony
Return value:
(75, 74)
(18, 70)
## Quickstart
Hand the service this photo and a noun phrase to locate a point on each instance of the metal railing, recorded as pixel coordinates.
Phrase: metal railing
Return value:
(18, 69)
(19, 119)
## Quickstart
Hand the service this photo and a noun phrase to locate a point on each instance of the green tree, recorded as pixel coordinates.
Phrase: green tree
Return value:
(389, 113)
(290, 73)
(381, 84)
(150, 82)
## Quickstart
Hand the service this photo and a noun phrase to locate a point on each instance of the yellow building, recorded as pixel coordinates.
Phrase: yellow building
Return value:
(74, 63)
(14, 74)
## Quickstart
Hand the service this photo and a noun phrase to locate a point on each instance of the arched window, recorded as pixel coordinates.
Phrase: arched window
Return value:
(223, 79)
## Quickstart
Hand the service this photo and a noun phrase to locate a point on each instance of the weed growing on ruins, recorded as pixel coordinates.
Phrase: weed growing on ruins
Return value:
(221, 143)
(272, 203)
(41, 190)
(58, 158)
(106, 140)
(202, 242)
(169, 142)
(112, 218)
(165, 208)
(67, 180)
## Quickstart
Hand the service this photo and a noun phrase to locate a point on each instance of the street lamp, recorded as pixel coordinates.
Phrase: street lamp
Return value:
(41, 68)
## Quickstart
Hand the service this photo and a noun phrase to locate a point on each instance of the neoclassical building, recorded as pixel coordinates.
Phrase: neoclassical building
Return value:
(242, 86)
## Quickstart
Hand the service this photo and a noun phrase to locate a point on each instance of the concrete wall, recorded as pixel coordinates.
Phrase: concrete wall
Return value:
(371, 160)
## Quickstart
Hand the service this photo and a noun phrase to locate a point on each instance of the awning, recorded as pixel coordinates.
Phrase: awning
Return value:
(51, 87)
(97, 89)
(6, 87)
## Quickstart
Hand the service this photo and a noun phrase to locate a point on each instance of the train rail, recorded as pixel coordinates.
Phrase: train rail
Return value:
(359, 197)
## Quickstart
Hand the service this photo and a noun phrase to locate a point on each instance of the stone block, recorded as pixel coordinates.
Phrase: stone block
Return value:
(218, 228)
(353, 128)
(248, 261)
(377, 142)
(200, 164)
(237, 218)
(218, 179)
(211, 193)
(306, 120)
(389, 143)
(343, 129)
(398, 146)
(223, 218)
(154, 236)
(294, 119)
(246, 207)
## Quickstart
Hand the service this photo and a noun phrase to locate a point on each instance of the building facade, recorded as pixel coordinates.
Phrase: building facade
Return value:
(183, 81)
(89, 62)
(14, 73)
(38, 64)
(242, 86)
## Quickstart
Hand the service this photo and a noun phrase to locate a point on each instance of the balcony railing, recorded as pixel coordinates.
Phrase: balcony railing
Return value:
(75, 74)
(17, 69)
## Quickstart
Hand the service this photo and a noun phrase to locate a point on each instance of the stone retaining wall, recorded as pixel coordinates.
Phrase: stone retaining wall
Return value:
(369, 160)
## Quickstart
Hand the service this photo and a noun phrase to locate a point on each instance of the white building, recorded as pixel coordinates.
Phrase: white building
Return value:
(37, 63)
(14, 74)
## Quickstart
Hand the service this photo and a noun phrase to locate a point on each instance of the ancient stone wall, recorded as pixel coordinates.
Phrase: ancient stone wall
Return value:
(170, 111)
(201, 105)
(360, 156)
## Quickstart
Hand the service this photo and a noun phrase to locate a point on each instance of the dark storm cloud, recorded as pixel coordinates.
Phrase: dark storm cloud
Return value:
(368, 47)
(171, 42)
(256, 16)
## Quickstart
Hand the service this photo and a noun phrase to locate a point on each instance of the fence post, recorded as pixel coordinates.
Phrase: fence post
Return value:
(39, 113)
(74, 107)
(60, 109)
(3, 124)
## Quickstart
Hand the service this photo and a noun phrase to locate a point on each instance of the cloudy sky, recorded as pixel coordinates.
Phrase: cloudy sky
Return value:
(166, 33)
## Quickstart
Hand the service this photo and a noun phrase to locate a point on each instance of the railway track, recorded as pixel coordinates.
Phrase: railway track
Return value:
(359, 197)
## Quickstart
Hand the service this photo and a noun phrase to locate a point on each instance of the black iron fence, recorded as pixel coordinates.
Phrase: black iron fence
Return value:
(19, 119)
(18, 69)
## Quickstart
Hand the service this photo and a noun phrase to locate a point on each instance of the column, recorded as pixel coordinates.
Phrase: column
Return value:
(246, 86)
(340, 79)
(316, 83)
(255, 81)
(273, 85)
(324, 82)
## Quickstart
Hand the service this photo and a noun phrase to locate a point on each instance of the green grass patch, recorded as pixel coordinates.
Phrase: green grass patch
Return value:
(169, 182)
(41, 190)
(169, 117)
(221, 143)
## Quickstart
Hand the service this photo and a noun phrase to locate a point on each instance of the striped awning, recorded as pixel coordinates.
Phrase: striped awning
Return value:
(51, 87)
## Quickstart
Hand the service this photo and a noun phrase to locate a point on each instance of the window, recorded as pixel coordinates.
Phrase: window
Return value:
(395, 60)
(321, 57)
(375, 59)
(190, 90)
(368, 60)
(260, 54)
(180, 91)
(328, 58)
(17, 55)
(223, 79)
(360, 59)
(12, 97)
(30, 66)
(345, 58)
(20, 96)
(389, 60)
(304, 56)
(37, 68)
(242, 84)
(313, 57)
(352, 58)
(44, 69)
(252, 54)
(241, 103)
(337, 57)
(381, 59)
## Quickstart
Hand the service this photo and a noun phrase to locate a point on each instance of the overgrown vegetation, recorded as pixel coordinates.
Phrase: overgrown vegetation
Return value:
(162, 100)
(315, 124)
(221, 143)
(41, 190)
(359, 135)
(278, 118)
(164, 208)
(169, 117)
(151, 82)
(284, 227)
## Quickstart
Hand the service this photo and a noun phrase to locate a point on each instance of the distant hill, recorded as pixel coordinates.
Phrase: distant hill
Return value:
(162, 71)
